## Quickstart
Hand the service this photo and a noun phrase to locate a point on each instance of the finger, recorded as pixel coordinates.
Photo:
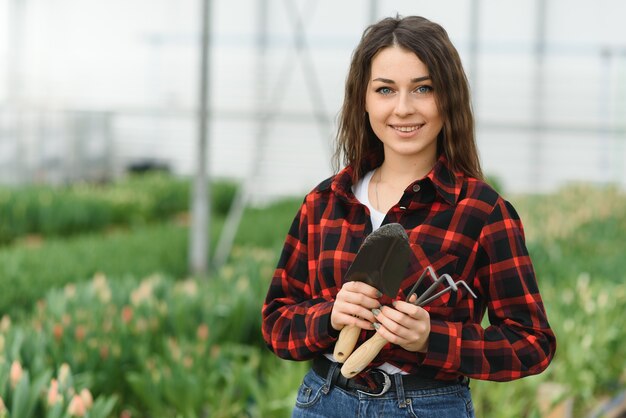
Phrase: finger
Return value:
(359, 295)
(407, 332)
(413, 311)
(395, 322)
(344, 320)
(362, 288)
(357, 300)
(343, 312)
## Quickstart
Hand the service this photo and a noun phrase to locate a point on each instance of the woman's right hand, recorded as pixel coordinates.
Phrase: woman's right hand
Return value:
(353, 306)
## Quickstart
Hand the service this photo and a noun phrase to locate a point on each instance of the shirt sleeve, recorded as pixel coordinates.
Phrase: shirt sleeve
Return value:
(296, 326)
(519, 341)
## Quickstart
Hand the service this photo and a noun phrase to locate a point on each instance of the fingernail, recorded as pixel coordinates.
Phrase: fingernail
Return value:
(376, 312)
(376, 325)
(379, 294)
(394, 303)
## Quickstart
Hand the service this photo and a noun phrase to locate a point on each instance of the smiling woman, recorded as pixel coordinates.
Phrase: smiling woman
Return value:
(407, 140)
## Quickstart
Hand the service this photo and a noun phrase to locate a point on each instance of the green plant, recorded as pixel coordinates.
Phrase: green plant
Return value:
(51, 211)
(28, 390)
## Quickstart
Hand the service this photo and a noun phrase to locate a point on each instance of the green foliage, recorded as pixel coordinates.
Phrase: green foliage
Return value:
(578, 230)
(34, 392)
(267, 226)
(27, 273)
(81, 208)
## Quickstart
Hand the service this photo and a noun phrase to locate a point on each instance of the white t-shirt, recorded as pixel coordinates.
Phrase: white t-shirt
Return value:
(360, 190)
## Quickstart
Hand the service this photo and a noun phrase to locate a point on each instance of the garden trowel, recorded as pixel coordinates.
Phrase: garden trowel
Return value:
(380, 262)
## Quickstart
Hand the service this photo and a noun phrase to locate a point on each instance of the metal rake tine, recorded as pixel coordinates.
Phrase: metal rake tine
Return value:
(428, 270)
(446, 290)
(433, 286)
(465, 285)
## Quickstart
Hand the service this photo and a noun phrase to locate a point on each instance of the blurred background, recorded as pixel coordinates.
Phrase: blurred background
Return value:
(101, 315)
(91, 88)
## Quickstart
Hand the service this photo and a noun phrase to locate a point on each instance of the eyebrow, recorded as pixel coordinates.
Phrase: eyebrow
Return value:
(413, 80)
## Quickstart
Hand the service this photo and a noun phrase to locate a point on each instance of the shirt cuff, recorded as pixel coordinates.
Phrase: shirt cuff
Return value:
(325, 334)
(444, 345)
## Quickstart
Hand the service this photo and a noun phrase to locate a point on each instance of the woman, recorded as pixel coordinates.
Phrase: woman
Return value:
(406, 136)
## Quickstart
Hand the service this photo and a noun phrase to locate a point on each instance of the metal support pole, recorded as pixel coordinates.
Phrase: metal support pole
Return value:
(199, 229)
(16, 30)
(227, 237)
(373, 11)
(604, 161)
(538, 113)
(473, 47)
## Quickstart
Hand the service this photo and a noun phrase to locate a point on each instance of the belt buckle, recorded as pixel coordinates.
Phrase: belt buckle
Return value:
(386, 384)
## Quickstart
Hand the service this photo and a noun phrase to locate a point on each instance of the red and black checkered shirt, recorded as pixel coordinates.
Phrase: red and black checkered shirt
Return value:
(456, 224)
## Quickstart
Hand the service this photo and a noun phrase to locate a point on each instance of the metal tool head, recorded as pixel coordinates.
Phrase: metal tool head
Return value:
(382, 259)
(426, 297)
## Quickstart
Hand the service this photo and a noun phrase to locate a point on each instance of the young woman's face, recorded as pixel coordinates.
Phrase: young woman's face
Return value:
(401, 105)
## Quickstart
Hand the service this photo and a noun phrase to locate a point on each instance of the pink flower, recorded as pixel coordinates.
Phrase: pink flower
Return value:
(85, 395)
(53, 393)
(15, 373)
(77, 407)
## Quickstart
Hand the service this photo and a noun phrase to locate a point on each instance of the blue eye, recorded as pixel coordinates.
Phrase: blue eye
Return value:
(384, 90)
(424, 89)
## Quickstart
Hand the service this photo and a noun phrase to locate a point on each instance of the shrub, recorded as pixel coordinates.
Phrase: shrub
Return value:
(62, 211)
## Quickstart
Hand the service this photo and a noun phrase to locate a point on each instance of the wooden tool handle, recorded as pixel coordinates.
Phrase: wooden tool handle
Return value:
(346, 342)
(363, 356)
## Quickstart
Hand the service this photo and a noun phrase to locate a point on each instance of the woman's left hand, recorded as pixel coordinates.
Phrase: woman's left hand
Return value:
(406, 325)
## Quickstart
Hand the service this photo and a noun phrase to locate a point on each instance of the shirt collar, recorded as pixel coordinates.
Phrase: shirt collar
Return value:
(447, 182)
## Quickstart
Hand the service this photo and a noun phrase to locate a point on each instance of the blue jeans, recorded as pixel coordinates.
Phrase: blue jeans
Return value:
(317, 398)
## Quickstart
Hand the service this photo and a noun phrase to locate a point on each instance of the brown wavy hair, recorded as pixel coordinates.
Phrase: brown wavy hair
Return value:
(430, 42)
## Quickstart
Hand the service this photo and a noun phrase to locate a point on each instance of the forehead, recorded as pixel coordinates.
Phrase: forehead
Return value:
(399, 62)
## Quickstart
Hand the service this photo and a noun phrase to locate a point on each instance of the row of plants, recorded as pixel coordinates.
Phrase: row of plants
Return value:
(579, 229)
(27, 271)
(45, 210)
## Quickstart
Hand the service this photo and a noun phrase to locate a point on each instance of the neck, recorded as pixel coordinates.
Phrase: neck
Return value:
(402, 172)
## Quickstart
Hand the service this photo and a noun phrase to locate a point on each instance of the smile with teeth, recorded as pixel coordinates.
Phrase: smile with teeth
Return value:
(407, 128)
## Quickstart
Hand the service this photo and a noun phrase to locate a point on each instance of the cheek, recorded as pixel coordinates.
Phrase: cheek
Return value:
(433, 112)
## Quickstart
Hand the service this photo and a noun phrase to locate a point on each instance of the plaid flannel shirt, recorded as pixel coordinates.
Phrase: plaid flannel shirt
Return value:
(456, 224)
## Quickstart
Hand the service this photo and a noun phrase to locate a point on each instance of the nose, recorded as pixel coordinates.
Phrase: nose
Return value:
(404, 105)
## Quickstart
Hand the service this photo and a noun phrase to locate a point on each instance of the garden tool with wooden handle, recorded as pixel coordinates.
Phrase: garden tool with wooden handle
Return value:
(380, 262)
(364, 355)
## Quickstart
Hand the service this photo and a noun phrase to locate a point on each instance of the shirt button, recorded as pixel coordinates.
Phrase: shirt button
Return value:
(416, 188)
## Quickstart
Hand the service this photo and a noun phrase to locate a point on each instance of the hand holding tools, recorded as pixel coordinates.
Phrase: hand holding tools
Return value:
(370, 348)
(380, 262)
